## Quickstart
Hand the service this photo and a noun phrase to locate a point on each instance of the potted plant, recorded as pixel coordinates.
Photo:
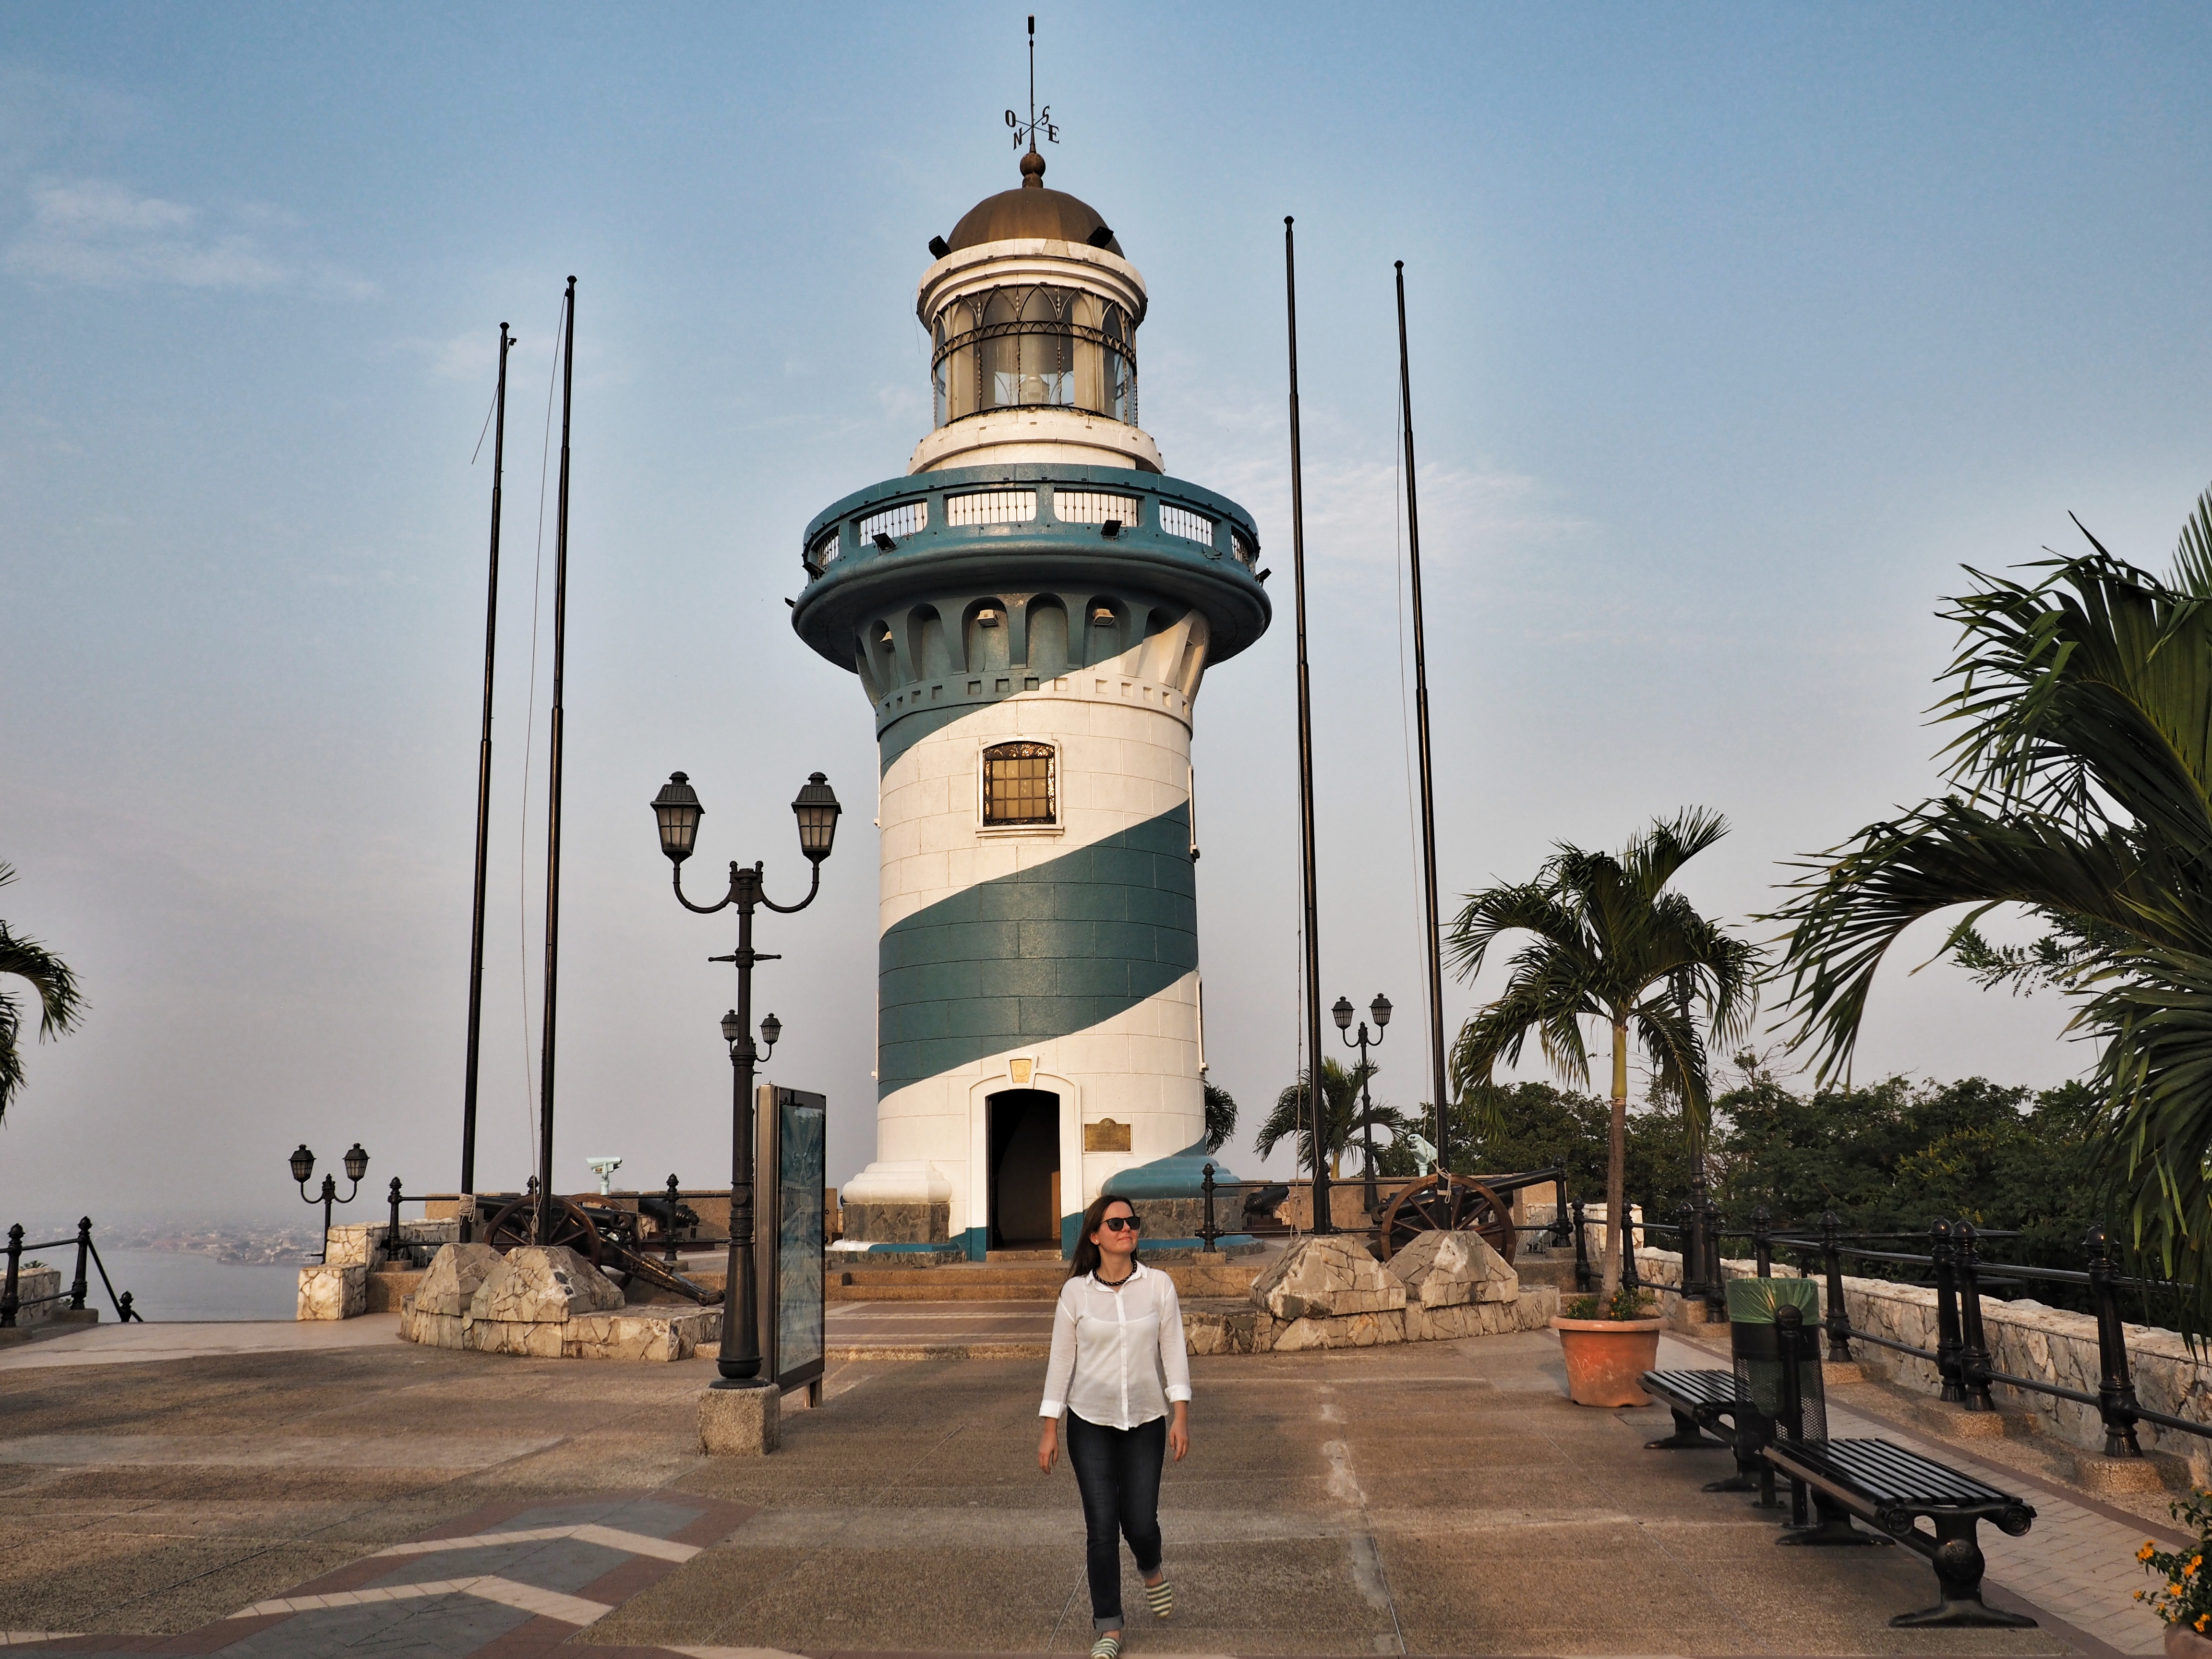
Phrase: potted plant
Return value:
(1608, 1343)
(2184, 1597)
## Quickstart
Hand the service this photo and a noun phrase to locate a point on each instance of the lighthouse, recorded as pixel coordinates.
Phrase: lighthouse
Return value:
(1029, 610)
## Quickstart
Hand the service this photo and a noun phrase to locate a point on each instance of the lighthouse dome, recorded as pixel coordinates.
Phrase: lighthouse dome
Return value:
(1031, 210)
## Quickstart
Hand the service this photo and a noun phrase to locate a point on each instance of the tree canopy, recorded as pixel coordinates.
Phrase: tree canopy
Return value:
(60, 1004)
(2081, 702)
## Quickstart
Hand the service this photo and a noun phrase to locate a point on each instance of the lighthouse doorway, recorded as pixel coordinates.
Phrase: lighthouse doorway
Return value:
(1024, 1169)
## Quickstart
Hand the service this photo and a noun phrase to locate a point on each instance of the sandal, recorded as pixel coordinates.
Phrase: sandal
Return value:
(1106, 1647)
(1162, 1597)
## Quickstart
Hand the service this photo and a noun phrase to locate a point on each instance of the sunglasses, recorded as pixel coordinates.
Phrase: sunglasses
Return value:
(1124, 1223)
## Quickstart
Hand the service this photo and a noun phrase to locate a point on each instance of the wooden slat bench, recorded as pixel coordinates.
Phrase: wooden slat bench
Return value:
(1701, 1400)
(1891, 1488)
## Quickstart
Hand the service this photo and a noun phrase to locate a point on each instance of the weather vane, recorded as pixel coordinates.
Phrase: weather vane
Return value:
(1030, 129)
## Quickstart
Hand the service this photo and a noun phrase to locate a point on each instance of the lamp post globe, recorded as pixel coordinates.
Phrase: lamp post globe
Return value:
(1343, 1012)
(733, 1028)
(303, 1164)
(818, 810)
(1380, 1008)
(677, 809)
(356, 1163)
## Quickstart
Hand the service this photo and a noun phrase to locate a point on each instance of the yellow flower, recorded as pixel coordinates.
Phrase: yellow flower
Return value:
(2145, 1552)
(2173, 1589)
(2203, 1619)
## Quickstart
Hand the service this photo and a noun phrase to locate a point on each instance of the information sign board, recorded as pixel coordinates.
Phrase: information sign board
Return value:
(790, 1176)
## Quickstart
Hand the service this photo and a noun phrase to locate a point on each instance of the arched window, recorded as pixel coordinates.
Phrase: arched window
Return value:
(1018, 786)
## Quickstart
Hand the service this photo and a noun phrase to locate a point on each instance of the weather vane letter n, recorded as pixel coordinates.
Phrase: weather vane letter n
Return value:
(1039, 122)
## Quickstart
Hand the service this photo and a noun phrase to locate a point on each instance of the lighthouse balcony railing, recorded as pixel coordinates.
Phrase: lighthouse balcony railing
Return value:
(1077, 505)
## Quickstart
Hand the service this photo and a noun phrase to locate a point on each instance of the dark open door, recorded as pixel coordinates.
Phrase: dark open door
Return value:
(1024, 1146)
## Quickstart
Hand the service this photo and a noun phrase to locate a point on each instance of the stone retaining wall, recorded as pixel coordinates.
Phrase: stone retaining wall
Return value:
(2026, 1338)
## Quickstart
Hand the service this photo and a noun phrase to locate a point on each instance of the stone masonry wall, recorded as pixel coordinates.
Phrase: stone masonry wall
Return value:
(2026, 1338)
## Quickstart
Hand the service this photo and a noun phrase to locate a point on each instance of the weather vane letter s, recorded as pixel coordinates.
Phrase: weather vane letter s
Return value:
(1040, 122)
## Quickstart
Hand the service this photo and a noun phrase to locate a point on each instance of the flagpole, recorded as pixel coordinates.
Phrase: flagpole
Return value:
(483, 805)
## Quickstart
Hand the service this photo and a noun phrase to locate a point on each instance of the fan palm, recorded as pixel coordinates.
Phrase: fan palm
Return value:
(1343, 1117)
(1609, 942)
(59, 1005)
(1220, 1116)
(2083, 767)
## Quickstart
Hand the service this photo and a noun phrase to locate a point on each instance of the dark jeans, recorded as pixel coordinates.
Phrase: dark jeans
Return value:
(1118, 1473)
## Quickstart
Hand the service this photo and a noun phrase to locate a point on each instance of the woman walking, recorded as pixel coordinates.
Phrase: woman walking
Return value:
(1119, 1371)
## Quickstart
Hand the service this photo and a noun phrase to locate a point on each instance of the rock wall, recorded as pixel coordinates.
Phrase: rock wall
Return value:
(546, 1304)
(2026, 1338)
(1331, 1292)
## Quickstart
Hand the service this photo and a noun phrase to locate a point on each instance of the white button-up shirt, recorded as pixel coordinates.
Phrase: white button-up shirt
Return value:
(1117, 1351)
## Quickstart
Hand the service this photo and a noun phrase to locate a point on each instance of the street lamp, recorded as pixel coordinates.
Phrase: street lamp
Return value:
(303, 1171)
(678, 811)
(1379, 1010)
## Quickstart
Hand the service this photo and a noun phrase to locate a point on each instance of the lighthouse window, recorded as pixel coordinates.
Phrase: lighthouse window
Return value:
(1017, 784)
(1033, 346)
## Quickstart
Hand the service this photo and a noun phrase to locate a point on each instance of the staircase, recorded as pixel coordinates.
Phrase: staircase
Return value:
(1017, 1276)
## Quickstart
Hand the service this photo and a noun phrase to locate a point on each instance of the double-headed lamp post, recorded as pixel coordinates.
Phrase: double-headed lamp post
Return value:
(303, 1171)
(676, 808)
(1380, 1011)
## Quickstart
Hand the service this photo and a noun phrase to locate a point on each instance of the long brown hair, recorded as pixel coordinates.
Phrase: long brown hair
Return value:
(1087, 1254)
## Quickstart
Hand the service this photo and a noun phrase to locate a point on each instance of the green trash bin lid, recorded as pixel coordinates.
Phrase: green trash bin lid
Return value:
(1754, 1301)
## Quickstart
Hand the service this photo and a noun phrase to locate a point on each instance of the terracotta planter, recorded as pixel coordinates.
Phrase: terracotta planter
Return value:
(1605, 1357)
(2183, 1643)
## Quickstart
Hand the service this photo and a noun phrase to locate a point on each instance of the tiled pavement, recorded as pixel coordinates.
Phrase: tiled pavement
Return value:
(504, 1582)
(1439, 1498)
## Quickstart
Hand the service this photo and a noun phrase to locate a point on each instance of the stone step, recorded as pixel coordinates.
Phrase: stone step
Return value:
(923, 1283)
(936, 1290)
(1040, 1254)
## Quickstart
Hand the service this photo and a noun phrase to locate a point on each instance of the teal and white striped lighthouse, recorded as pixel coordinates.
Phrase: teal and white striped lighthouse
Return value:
(1030, 612)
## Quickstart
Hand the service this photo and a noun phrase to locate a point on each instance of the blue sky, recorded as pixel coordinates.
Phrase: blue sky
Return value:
(1738, 330)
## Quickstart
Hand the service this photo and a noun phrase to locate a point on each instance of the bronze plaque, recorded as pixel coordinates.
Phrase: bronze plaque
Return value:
(1105, 1136)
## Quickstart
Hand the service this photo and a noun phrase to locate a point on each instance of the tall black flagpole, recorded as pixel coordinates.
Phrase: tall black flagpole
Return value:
(483, 800)
(553, 797)
(1434, 953)
(1323, 1222)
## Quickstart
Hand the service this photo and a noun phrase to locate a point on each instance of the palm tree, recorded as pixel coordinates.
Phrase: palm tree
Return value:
(1220, 1116)
(2083, 772)
(1344, 1117)
(60, 1007)
(1609, 942)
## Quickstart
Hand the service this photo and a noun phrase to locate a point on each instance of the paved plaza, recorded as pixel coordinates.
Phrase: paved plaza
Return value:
(276, 1491)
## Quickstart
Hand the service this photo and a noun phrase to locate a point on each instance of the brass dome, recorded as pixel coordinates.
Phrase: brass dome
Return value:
(1032, 211)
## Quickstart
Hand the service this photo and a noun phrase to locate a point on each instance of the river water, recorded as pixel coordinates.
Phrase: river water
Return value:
(169, 1285)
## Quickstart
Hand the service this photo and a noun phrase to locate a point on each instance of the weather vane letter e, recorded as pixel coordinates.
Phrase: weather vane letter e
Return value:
(1028, 130)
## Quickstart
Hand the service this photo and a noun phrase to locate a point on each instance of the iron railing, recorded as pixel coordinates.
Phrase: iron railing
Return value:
(1957, 1274)
(13, 1302)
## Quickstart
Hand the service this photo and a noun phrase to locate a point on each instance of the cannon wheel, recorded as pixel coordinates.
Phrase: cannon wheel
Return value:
(510, 1228)
(1447, 1203)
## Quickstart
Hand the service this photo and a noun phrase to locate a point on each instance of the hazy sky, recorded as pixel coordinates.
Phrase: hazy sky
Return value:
(1737, 331)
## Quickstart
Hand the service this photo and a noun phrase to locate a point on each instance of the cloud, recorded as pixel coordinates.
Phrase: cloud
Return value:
(100, 233)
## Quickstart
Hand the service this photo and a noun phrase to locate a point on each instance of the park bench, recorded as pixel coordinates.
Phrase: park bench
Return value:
(1776, 1409)
(1701, 1401)
(1891, 1488)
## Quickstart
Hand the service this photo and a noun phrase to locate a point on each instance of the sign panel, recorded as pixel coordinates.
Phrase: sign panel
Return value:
(790, 1171)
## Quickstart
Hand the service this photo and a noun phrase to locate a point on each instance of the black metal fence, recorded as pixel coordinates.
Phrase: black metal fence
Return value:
(13, 1302)
(1953, 1269)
